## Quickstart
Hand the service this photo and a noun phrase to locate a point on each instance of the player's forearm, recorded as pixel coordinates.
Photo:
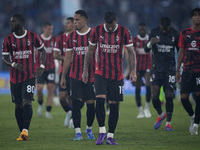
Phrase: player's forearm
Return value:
(7, 61)
(66, 65)
(87, 60)
(43, 57)
(56, 55)
(180, 59)
(147, 47)
(132, 59)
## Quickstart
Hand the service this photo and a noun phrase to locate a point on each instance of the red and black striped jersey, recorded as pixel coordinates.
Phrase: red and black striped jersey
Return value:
(78, 42)
(49, 45)
(60, 46)
(110, 49)
(22, 51)
(190, 41)
(144, 60)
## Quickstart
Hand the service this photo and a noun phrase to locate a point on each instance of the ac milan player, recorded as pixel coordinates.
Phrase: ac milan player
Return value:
(189, 55)
(48, 76)
(110, 39)
(59, 54)
(19, 53)
(163, 41)
(77, 45)
(144, 62)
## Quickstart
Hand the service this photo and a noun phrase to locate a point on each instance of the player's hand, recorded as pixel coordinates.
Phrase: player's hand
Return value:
(154, 40)
(85, 76)
(38, 72)
(18, 66)
(178, 77)
(133, 76)
(63, 83)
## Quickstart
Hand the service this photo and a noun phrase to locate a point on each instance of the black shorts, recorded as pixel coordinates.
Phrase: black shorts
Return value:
(190, 82)
(67, 83)
(112, 88)
(47, 77)
(79, 89)
(23, 90)
(167, 80)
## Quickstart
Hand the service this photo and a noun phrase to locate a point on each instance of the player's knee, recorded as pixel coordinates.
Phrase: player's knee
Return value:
(27, 102)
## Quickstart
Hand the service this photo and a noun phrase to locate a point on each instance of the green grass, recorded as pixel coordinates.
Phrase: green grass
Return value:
(131, 133)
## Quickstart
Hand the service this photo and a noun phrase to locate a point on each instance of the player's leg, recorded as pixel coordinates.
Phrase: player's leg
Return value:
(100, 85)
(77, 103)
(50, 80)
(138, 96)
(27, 95)
(186, 87)
(115, 91)
(148, 95)
(39, 87)
(16, 93)
(89, 97)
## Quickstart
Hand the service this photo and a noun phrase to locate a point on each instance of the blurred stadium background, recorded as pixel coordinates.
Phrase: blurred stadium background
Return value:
(129, 12)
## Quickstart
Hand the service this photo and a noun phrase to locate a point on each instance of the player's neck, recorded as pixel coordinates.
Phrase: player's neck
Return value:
(70, 31)
(20, 32)
(46, 35)
(195, 27)
(83, 29)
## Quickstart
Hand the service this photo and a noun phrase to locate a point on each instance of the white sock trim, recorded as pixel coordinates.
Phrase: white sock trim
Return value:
(26, 130)
(78, 130)
(87, 127)
(102, 129)
(110, 135)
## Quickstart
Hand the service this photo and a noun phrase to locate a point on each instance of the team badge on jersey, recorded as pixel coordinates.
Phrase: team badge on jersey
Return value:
(117, 38)
(28, 42)
(173, 39)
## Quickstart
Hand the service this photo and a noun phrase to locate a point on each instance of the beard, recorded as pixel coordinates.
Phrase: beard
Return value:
(15, 28)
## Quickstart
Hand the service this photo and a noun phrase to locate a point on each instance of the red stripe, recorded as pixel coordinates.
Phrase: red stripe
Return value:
(106, 58)
(24, 60)
(112, 56)
(18, 60)
(118, 53)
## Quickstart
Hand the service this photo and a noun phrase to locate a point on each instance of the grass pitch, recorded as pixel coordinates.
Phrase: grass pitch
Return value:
(131, 133)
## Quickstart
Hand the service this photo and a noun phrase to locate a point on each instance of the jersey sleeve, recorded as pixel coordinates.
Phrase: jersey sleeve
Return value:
(69, 46)
(38, 42)
(128, 38)
(57, 44)
(5, 47)
(134, 42)
(93, 37)
(181, 41)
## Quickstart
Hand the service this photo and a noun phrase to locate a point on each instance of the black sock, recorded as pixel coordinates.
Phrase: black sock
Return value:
(76, 112)
(157, 106)
(27, 113)
(48, 108)
(40, 102)
(138, 97)
(148, 94)
(100, 111)
(19, 117)
(169, 108)
(197, 110)
(90, 114)
(64, 105)
(113, 117)
(188, 106)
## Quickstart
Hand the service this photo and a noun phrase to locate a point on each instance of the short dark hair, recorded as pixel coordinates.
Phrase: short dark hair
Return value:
(20, 18)
(47, 24)
(110, 16)
(193, 11)
(142, 24)
(82, 13)
(165, 21)
(71, 19)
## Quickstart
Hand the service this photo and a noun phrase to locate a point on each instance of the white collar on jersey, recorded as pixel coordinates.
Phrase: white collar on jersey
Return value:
(83, 33)
(46, 38)
(21, 35)
(104, 25)
(142, 38)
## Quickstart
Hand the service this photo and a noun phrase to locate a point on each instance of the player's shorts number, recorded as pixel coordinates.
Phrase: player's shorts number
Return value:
(51, 76)
(172, 79)
(121, 89)
(30, 89)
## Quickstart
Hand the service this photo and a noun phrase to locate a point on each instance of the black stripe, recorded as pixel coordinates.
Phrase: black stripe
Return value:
(32, 47)
(104, 61)
(27, 60)
(22, 59)
(115, 57)
(17, 71)
(99, 49)
(70, 40)
(120, 60)
(109, 55)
